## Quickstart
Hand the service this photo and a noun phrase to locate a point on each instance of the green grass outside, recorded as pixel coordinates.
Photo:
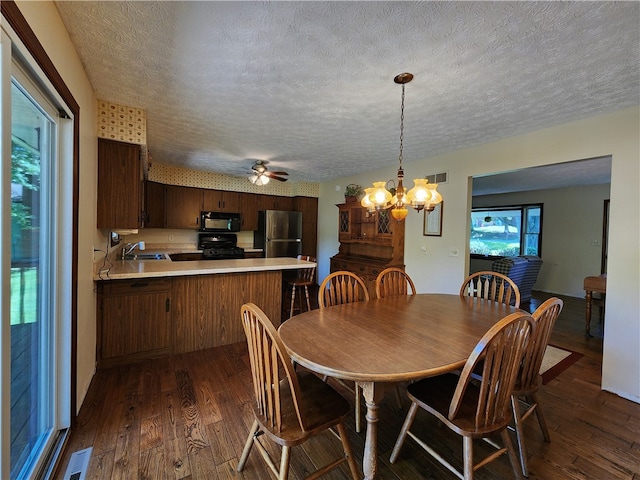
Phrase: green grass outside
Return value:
(494, 247)
(24, 295)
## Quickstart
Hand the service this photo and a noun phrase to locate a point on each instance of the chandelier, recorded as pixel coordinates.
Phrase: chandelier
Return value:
(421, 196)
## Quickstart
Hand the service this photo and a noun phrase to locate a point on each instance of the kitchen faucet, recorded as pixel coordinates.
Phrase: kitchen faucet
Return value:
(129, 247)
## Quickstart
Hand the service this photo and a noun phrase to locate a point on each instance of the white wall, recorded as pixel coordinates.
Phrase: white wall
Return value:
(572, 222)
(615, 134)
(45, 22)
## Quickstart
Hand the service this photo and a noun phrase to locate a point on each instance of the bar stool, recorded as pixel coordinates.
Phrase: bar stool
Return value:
(304, 279)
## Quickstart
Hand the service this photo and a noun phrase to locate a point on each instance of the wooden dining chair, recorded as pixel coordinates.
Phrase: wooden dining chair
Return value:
(336, 289)
(394, 281)
(342, 287)
(529, 379)
(475, 409)
(291, 406)
(304, 279)
(493, 286)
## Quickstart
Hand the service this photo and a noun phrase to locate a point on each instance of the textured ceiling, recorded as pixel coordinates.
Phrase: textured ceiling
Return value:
(309, 87)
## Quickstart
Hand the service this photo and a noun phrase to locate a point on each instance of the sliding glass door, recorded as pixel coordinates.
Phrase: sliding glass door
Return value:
(35, 283)
(32, 302)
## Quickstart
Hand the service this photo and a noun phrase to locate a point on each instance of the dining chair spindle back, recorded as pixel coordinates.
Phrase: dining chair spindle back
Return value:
(290, 406)
(471, 408)
(336, 289)
(342, 287)
(492, 286)
(392, 282)
(529, 379)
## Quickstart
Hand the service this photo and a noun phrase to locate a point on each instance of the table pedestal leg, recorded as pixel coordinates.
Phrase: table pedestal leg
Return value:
(373, 394)
(589, 298)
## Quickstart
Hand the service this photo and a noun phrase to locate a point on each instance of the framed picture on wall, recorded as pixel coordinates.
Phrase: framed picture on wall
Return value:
(433, 222)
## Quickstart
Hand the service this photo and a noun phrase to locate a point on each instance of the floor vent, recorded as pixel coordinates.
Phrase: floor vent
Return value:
(78, 465)
(438, 177)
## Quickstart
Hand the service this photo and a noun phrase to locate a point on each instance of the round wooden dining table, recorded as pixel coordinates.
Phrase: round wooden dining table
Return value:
(380, 342)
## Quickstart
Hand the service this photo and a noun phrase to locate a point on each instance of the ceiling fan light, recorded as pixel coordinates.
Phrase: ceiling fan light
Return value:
(259, 179)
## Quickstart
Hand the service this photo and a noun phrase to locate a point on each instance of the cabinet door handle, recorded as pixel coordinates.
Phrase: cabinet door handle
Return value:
(167, 305)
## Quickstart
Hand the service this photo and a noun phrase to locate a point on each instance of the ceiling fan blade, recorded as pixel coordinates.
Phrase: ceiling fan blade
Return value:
(276, 177)
(278, 173)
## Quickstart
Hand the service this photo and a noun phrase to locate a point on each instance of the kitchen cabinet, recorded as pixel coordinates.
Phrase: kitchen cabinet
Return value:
(221, 201)
(154, 204)
(249, 211)
(369, 243)
(120, 185)
(134, 320)
(147, 318)
(175, 206)
(308, 206)
(207, 307)
(274, 202)
(183, 206)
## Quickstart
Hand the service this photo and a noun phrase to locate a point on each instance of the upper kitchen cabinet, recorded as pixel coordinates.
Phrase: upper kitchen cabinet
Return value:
(221, 201)
(183, 206)
(154, 204)
(309, 208)
(275, 202)
(248, 210)
(120, 185)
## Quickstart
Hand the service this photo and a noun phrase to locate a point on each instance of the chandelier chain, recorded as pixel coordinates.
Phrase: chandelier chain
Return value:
(401, 126)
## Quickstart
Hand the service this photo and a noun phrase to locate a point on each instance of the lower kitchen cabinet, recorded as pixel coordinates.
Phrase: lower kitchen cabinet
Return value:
(207, 307)
(148, 318)
(134, 320)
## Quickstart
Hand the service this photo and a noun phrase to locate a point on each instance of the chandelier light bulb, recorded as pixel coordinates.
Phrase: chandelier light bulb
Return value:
(381, 196)
(367, 201)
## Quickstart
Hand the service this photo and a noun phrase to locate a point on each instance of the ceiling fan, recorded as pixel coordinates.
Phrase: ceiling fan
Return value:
(261, 176)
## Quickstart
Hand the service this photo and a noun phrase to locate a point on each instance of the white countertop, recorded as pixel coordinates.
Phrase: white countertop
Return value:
(125, 269)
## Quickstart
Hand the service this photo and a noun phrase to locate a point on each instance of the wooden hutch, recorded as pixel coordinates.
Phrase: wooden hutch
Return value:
(369, 242)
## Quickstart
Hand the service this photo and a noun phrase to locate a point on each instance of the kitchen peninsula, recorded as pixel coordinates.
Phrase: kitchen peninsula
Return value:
(151, 308)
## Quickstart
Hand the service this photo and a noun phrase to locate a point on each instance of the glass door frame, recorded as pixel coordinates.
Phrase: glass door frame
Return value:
(18, 38)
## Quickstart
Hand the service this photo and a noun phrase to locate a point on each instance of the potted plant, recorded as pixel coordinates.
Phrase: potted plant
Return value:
(353, 193)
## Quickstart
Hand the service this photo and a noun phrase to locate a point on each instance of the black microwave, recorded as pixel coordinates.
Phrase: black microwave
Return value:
(220, 222)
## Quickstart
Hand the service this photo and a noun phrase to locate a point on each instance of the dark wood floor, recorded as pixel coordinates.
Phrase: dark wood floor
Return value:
(187, 417)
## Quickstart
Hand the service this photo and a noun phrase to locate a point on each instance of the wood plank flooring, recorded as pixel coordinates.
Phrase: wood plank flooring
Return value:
(187, 417)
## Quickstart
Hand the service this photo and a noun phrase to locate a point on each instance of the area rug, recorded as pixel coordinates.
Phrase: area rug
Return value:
(555, 361)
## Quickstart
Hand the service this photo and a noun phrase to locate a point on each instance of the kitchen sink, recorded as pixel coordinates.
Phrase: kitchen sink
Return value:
(147, 256)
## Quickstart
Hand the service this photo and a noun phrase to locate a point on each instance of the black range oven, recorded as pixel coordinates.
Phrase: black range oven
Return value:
(219, 246)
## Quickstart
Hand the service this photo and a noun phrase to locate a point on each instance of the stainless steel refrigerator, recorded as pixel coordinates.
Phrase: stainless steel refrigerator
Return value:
(279, 233)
